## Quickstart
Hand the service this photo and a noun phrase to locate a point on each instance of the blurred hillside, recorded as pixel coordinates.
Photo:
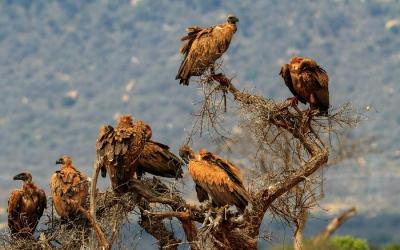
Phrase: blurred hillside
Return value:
(67, 67)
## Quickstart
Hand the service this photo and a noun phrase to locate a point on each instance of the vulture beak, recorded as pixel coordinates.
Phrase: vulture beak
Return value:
(60, 161)
(185, 157)
(21, 177)
(185, 153)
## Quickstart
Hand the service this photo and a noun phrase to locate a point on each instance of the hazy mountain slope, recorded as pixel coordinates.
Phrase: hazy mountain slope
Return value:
(67, 67)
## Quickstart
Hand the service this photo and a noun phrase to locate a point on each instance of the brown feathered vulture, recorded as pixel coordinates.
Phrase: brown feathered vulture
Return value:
(203, 46)
(25, 207)
(216, 178)
(69, 188)
(308, 82)
(119, 149)
(157, 159)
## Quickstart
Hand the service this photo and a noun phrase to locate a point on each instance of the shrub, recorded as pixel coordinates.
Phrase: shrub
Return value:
(348, 242)
(392, 246)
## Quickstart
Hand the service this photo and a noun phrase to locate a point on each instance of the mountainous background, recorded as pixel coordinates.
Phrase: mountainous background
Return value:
(67, 67)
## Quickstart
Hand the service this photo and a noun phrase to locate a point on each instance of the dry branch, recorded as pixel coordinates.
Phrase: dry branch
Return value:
(334, 225)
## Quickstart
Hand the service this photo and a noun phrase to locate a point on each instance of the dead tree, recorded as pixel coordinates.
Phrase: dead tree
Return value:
(334, 225)
(290, 148)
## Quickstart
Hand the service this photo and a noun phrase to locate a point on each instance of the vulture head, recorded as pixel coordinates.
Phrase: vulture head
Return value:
(24, 176)
(307, 64)
(232, 19)
(146, 129)
(125, 121)
(295, 62)
(202, 151)
(186, 153)
(64, 160)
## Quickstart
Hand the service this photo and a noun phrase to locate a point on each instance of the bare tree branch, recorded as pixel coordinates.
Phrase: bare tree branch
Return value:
(335, 224)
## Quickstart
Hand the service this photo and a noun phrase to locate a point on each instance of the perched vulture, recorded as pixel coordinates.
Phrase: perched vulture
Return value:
(308, 82)
(119, 149)
(25, 207)
(203, 46)
(69, 188)
(215, 177)
(156, 159)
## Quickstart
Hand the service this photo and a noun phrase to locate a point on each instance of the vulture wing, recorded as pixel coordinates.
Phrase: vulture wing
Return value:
(156, 159)
(14, 208)
(218, 184)
(316, 81)
(192, 33)
(285, 73)
(42, 202)
(105, 137)
(57, 190)
(202, 194)
(322, 93)
(231, 170)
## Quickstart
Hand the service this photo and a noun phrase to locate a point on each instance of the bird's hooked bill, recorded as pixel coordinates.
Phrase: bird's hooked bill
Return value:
(21, 176)
(60, 161)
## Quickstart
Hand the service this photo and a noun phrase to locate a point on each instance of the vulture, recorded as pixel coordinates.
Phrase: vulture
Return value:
(25, 207)
(216, 178)
(69, 188)
(203, 46)
(119, 149)
(308, 82)
(156, 159)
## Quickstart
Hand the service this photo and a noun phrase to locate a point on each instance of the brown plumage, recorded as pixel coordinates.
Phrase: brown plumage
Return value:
(156, 159)
(308, 82)
(25, 207)
(69, 188)
(203, 46)
(119, 149)
(217, 177)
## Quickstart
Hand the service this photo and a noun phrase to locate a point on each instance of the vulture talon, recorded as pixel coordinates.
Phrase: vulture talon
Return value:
(294, 102)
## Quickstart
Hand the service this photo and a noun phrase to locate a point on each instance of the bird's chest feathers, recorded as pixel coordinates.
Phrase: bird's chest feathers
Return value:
(225, 34)
(30, 200)
(298, 83)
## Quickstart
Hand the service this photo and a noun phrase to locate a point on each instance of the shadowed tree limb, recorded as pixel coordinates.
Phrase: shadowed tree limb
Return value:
(299, 228)
(155, 227)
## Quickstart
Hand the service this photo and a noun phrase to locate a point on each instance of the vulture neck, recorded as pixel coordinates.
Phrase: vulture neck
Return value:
(68, 166)
(232, 27)
(195, 157)
(28, 187)
(123, 125)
